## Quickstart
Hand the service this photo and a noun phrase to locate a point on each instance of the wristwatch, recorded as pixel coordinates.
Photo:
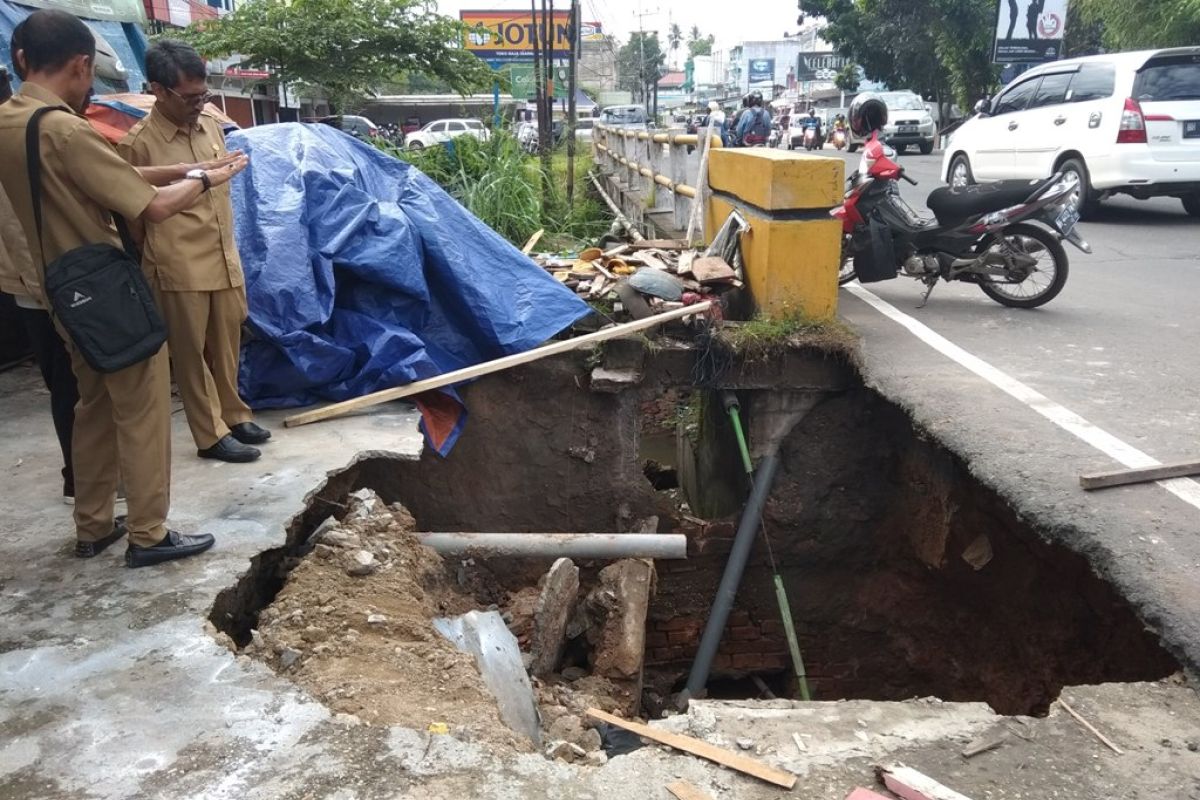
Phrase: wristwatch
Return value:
(199, 175)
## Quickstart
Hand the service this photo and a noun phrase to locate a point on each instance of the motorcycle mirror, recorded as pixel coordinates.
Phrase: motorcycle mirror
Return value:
(982, 107)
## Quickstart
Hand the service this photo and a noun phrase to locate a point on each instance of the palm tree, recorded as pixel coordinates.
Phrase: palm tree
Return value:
(674, 39)
(694, 35)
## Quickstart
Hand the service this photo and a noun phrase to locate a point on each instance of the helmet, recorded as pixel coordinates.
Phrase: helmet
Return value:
(812, 112)
(867, 114)
(756, 98)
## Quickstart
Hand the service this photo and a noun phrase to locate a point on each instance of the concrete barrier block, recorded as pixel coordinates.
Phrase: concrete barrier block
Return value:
(777, 180)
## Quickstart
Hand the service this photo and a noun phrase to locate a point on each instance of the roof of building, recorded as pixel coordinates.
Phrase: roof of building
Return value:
(672, 80)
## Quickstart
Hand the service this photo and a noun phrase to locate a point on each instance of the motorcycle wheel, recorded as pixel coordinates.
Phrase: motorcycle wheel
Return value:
(1048, 278)
(846, 272)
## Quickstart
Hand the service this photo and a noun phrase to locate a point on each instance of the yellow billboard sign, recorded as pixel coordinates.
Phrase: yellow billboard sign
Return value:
(509, 35)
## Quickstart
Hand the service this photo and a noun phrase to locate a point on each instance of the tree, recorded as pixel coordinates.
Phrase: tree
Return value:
(937, 48)
(674, 39)
(702, 46)
(847, 78)
(639, 63)
(346, 47)
(1144, 24)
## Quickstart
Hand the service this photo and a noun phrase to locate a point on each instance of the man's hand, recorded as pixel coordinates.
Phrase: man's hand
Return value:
(226, 168)
(217, 163)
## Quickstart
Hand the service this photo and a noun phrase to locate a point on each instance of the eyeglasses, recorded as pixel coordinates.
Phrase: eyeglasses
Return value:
(192, 99)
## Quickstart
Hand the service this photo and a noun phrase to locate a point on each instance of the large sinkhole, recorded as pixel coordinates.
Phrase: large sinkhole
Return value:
(906, 576)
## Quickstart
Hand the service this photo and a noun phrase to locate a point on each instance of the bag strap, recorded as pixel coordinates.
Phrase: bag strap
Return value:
(33, 165)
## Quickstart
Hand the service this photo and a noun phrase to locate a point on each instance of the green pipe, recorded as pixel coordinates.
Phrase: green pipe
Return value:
(785, 611)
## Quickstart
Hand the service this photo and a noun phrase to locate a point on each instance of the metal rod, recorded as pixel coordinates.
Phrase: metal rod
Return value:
(789, 628)
(559, 545)
(727, 591)
(620, 215)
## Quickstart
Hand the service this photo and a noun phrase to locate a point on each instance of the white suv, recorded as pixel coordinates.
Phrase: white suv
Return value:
(1125, 123)
(443, 130)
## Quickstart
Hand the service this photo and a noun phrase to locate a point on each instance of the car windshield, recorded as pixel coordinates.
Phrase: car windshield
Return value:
(904, 102)
(1175, 78)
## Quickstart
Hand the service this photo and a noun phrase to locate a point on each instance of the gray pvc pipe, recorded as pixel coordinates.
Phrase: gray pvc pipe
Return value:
(764, 477)
(559, 545)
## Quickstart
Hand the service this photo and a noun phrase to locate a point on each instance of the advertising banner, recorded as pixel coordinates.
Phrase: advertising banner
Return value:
(509, 35)
(822, 67)
(524, 86)
(762, 70)
(1029, 31)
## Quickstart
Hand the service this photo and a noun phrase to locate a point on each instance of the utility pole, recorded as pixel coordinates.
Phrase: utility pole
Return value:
(546, 140)
(572, 88)
(643, 86)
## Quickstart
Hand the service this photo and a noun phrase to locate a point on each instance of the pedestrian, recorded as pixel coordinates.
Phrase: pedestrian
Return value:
(754, 128)
(716, 120)
(123, 419)
(48, 350)
(193, 261)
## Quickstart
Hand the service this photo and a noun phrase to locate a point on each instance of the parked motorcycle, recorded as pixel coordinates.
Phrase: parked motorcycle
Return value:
(839, 138)
(1005, 237)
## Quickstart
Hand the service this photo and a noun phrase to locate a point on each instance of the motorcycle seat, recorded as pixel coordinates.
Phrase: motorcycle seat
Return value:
(955, 206)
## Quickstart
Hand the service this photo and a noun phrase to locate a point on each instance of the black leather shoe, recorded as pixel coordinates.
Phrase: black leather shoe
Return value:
(174, 545)
(250, 433)
(231, 450)
(92, 549)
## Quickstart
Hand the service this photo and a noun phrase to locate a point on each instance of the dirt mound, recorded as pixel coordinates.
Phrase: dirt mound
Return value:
(353, 625)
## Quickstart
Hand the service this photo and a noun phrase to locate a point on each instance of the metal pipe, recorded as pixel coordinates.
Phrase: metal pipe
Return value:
(559, 545)
(621, 218)
(727, 591)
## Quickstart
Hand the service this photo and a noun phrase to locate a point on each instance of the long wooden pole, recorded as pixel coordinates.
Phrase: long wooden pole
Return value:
(488, 367)
(572, 88)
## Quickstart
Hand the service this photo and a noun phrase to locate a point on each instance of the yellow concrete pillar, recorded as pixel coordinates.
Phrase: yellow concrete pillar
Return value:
(793, 250)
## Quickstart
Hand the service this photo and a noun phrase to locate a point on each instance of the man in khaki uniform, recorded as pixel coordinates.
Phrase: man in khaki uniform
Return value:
(123, 420)
(193, 259)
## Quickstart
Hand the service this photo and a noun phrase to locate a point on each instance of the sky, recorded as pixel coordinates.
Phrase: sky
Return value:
(729, 21)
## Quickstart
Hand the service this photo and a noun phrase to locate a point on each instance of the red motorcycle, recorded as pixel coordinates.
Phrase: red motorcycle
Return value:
(1005, 237)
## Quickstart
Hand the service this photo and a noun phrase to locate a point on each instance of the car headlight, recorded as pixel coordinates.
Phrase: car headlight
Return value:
(927, 120)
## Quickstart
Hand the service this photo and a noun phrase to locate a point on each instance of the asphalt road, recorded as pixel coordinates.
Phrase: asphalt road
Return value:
(1110, 366)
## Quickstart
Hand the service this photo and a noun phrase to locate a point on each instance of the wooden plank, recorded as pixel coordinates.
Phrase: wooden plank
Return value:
(909, 784)
(864, 794)
(1125, 477)
(685, 791)
(984, 744)
(533, 240)
(660, 244)
(1103, 739)
(488, 367)
(697, 747)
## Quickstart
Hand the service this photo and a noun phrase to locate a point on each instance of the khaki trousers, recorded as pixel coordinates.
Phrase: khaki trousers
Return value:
(122, 429)
(205, 334)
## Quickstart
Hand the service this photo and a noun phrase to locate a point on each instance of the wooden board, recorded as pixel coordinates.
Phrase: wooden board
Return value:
(660, 244)
(1125, 477)
(488, 367)
(685, 791)
(533, 240)
(697, 747)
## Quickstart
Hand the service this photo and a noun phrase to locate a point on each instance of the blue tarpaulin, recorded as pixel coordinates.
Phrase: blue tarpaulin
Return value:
(362, 274)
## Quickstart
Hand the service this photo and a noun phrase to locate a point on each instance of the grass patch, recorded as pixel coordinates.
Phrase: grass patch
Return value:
(764, 335)
(502, 185)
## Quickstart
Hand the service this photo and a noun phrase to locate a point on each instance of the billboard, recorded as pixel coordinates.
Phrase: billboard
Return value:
(762, 70)
(509, 35)
(1029, 31)
(819, 67)
(524, 84)
(591, 32)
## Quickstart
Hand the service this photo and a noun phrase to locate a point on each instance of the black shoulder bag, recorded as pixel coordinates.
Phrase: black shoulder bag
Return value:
(98, 292)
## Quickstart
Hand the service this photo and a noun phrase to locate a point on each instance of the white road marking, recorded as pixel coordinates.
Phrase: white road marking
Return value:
(1127, 455)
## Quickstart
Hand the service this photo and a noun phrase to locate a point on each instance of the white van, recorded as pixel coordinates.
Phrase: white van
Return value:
(1124, 123)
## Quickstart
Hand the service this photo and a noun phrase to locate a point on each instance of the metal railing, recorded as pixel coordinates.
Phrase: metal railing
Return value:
(655, 167)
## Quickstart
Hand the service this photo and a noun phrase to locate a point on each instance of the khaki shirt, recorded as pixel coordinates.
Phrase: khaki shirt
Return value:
(192, 251)
(83, 179)
(17, 276)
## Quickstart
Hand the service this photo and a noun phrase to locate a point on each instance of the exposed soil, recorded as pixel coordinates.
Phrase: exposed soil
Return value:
(353, 626)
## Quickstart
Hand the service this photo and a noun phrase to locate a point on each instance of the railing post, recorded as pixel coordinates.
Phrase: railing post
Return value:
(679, 174)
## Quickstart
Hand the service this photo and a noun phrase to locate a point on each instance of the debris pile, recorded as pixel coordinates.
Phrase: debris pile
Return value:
(645, 277)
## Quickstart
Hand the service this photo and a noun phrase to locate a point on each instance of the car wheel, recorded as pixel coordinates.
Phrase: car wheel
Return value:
(901, 149)
(416, 146)
(926, 148)
(1086, 201)
(960, 172)
(1191, 204)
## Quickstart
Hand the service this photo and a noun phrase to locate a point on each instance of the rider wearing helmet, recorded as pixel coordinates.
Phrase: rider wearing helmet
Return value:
(754, 128)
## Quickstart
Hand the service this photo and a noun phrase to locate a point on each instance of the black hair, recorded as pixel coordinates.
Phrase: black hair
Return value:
(5, 84)
(14, 44)
(169, 60)
(51, 38)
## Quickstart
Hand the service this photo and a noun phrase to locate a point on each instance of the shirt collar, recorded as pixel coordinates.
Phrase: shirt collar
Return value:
(44, 95)
(167, 129)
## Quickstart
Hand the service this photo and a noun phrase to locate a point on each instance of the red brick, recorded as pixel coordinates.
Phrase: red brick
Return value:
(680, 623)
(680, 637)
(745, 633)
(771, 626)
(737, 619)
(747, 661)
(655, 639)
(773, 662)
